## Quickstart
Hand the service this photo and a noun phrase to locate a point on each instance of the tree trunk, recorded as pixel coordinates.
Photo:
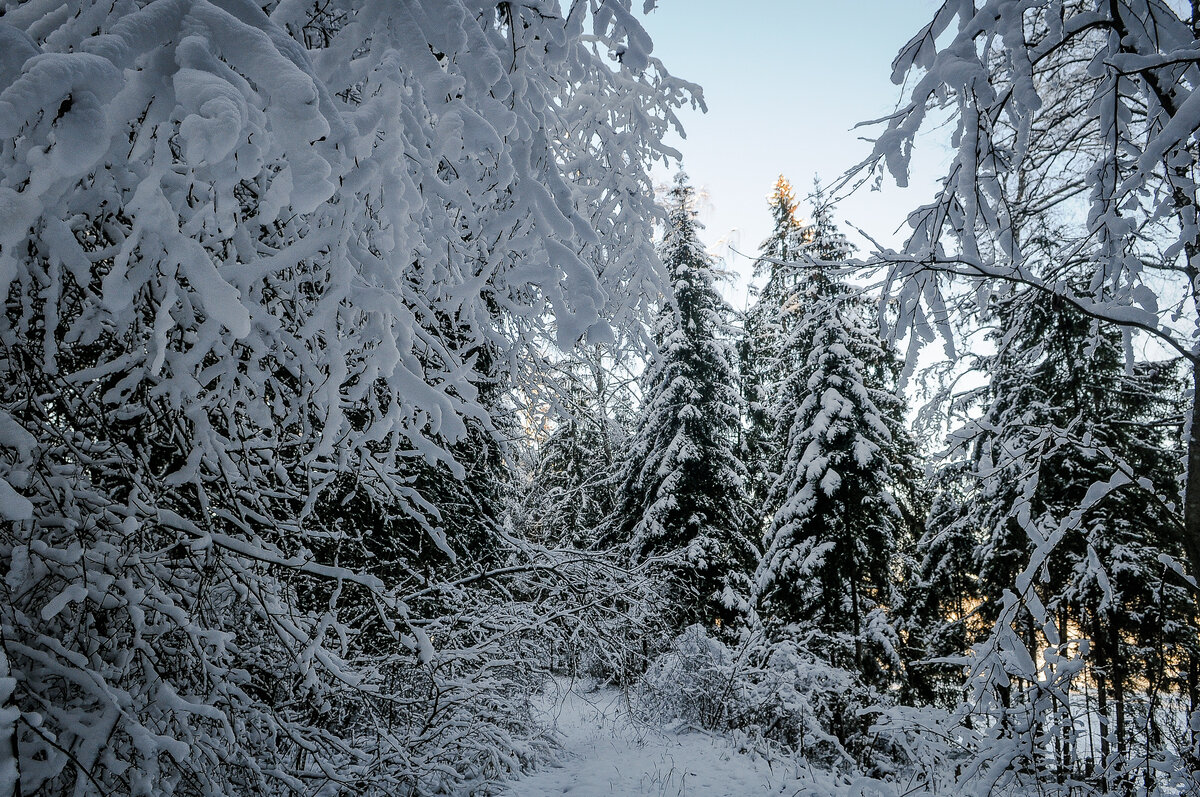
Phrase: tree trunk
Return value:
(1191, 489)
(858, 653)
(1066, 721)
(1191, 528)
(1102, 713)
(1118, 695)
(1193, 687)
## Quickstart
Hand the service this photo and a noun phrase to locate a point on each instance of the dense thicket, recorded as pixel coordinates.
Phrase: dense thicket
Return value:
(1067, 224)
(324, 431)
(270, 274)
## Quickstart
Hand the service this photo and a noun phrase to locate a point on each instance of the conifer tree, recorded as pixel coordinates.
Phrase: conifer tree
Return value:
(941, 589)
(571, 492)
(1062, 413)
(682, 491)
(846, 489)
(760, 349)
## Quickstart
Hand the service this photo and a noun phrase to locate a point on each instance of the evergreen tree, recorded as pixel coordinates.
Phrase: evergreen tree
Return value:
(682, 490)
(940, 615)
(845, 490)
(1063, 414)
(571, 491)
(823, 241)
(1054, 126)
(760, 346)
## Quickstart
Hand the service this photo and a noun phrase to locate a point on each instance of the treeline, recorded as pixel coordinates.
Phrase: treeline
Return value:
(838, 575)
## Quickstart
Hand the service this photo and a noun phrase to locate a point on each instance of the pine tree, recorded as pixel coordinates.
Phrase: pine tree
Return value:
(682, 490)
(845, 490)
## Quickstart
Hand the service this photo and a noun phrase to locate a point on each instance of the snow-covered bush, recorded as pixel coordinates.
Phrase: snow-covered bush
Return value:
(698, 681)
(608, 625)
(778, 694)
(817, 709)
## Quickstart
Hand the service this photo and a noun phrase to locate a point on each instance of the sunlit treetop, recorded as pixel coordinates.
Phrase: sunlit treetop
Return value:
(783, 201)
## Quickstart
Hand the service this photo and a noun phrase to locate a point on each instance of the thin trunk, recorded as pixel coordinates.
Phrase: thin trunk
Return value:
(1191, 529)
(1193, 687)
(1155, 678)
(1066, 723)
(1102, 713)
(1090, 764)
(1118, 689)
(1191, 494)
(858, 652)
(1031, 697)
(1153, 743)
(1118, 697)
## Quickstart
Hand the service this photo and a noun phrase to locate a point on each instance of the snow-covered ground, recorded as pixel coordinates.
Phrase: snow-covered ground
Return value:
(606, 752)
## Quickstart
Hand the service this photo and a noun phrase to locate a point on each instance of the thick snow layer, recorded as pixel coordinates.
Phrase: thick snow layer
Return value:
(607, 752)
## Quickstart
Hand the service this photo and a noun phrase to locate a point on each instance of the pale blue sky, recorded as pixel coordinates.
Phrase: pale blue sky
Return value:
(785, 81)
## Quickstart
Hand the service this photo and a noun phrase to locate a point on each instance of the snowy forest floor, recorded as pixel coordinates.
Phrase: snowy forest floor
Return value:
(607, 751)
(604, 749)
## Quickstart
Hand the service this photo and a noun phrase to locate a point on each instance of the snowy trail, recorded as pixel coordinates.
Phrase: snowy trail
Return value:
(607, 753)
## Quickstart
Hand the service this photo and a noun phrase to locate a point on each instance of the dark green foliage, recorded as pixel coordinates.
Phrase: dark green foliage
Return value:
(571, 489)
(941, 594)
(682, 482)
(847, 492)
(1062, 416)
(764, 336)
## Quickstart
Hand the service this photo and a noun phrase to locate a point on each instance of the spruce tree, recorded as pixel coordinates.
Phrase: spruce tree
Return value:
(571, 492)
(682, 487)
(939, 615)
(763, 336)
(846, 488)
(1063, 414)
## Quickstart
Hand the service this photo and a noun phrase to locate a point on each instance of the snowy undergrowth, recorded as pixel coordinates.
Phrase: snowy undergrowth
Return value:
(606, 749)
(608, 743)
(607, 746)
(712, 718)
(774, 695)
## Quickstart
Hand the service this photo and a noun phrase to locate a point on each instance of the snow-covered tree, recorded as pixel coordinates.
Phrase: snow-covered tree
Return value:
(682, 492)
(1073, 181)
(1059, 413)
(1058, 103)
(261, 264)
(571, 490)
(845, 484)
(767, 320)
(761, 348)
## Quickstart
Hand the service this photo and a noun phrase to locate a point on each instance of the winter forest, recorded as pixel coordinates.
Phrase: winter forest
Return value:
(363, 403)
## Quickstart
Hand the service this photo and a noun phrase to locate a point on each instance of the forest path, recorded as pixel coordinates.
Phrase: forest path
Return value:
(606, 752)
